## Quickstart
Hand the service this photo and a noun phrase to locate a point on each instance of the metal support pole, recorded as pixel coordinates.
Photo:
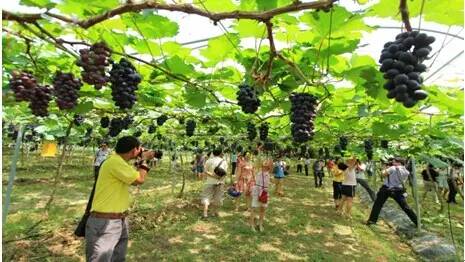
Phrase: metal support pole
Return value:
(415, 193)
(11, 179)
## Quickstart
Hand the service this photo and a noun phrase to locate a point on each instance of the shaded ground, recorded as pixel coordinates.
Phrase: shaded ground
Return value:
(300, 226)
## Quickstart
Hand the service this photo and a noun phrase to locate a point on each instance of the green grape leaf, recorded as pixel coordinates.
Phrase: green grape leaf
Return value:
(151, 26)
(195, 97)
(264, 5)
(250, 28)
(220, 48)
(83, 107)
(177, 66)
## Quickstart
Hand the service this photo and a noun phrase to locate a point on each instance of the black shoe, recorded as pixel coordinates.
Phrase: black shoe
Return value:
(369, 223)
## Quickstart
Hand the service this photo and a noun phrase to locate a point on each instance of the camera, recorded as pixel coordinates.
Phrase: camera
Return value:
(158, 153)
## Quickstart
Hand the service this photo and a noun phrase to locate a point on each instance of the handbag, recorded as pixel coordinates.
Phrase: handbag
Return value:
(263, 198)
(80, 230)
(219, 171)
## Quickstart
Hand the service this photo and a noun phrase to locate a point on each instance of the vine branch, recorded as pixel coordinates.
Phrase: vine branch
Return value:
(403, 9)
(184, 8)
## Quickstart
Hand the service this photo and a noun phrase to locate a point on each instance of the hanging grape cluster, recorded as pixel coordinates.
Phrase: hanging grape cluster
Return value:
(66, 88)
(78, 120)
(402, 63)
(152, 129)
(39, 105)
(343, 142)
(251, 131)
(161, 120)
(127, 121)
(327, 155)
(190, 127)
(369, 149)
(138, 133)
(116, 126)
(247, 99)
(321, 152)
(124, 81)
(268, 145)
(23, 85)
(385, 144)
(303, 107)
(94, 61)
(104, 122)
(338, 150)
(263, 130)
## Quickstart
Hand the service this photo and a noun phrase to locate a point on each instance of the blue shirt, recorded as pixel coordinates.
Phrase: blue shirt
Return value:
(279, 171)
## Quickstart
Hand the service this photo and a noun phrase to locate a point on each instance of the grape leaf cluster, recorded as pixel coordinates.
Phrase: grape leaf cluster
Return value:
(303, 107)
(263, 131)
(369, 149)
(251, 131)
(94, 61)
(66, 88)
(124, 81)
(23, 84)
(247, 99)
(402, 63)
(190, 127)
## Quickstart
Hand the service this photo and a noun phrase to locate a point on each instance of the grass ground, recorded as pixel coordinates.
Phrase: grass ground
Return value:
(303, 225)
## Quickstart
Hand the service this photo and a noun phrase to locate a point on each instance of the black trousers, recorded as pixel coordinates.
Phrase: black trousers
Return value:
(233, 170)
(299, 168)
(318, 178)
(381, 197)
(306, 169)
(364, 184)
(452, 192)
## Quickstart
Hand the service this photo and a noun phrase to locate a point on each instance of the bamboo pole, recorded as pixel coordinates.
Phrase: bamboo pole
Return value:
(11, 178)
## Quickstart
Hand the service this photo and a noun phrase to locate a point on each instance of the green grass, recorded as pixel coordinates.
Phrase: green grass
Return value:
(302, 225)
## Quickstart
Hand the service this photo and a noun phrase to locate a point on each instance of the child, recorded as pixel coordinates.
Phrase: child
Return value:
(262, 181)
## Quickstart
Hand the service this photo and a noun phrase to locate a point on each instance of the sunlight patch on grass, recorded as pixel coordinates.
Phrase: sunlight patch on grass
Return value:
(342, 230)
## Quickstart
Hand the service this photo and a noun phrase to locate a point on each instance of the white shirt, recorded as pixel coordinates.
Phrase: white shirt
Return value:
(101, 156)
(349, 177)
(396, 176)
(210, 165)
(360, 174)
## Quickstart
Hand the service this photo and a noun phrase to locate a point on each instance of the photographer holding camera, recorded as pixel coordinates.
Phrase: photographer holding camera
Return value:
(212, 194)
(107, 227)
(393, 186)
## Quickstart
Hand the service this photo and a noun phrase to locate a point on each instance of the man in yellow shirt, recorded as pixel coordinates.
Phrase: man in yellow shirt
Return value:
(107, 226)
